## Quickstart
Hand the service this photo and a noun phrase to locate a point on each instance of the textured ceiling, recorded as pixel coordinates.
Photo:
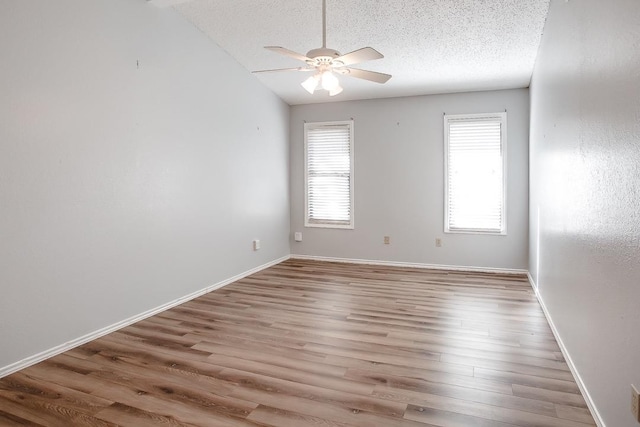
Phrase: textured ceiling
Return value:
(430, 46)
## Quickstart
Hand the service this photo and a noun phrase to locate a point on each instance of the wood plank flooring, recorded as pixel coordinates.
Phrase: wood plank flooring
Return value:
(318, 344)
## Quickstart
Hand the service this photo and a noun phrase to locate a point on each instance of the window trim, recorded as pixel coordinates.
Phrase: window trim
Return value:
(502, 117)
(328, 224)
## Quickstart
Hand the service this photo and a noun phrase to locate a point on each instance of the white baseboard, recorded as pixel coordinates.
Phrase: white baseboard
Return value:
(565, 353)
(411, 264)
(533, 284)
(32, 360)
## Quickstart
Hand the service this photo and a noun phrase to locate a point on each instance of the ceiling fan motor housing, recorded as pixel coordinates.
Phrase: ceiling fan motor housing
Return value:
(323, 56)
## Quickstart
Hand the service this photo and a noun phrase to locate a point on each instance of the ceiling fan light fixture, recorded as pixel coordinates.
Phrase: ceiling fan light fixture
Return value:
(311, 84)
(335, 91)
(330, 81)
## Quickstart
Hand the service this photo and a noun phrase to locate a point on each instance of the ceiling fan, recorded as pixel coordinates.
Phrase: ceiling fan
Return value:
(328, 62)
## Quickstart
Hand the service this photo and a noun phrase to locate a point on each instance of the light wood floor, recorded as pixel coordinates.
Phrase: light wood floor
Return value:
(317, 344)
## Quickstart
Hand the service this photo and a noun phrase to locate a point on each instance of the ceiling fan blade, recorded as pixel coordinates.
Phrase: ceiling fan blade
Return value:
(372, 76)
(289, 53)
(360, 55)
(284, 69)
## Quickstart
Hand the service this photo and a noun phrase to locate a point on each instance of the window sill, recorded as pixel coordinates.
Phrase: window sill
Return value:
(336, 226)
(482, 232)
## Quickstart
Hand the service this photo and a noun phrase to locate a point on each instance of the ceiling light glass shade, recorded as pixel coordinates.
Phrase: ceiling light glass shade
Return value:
(311, 84)
(329, 81)
(334, 92)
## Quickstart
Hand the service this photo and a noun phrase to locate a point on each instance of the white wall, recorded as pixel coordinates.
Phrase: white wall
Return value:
(585, 192)
(137, 163)
(399, 182)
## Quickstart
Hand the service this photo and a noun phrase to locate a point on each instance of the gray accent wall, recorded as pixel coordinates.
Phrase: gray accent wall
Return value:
(585, 193)
(138, 161)
(399, 182)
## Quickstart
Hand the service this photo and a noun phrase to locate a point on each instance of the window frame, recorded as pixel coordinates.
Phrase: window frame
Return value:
(328, 223)
(502, 118)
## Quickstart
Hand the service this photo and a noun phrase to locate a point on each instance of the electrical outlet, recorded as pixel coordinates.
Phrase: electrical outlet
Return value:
(438, 242)
(387, 240)
(635, 403)
(297, 236)
(256, 245)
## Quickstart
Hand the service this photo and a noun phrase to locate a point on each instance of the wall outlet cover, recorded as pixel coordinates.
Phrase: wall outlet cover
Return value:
(256, 245)
(297, 236)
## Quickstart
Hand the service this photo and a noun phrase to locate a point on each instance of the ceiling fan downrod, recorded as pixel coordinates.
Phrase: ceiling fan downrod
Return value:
(324, 23)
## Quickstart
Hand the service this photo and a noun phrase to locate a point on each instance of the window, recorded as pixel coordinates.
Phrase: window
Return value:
(328, 149)
(475, 173)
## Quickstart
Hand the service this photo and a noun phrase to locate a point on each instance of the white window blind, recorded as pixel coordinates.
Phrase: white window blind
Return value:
(475, 151)
(329, 174)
